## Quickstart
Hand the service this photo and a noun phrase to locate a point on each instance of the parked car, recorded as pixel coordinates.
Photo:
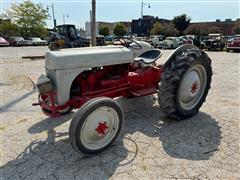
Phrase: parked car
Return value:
(203, 40)
(109, 38)
(3, 42)
(38, 41)
(170, 43)
(140, 39)
(192, 39)
(19, 41)
(215, 42)
(234, 44)
(46, 39)
(188, 39)
(155, 40)
(182, 39)
(100, 40)
(228, 38)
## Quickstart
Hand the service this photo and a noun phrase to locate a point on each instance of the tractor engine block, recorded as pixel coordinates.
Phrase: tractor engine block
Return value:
(116, 80)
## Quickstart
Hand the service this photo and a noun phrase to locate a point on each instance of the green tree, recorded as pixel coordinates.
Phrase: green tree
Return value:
(104, 30)
(119, 30)
(157, 29)
(181, 22)
(30, 17)
(236, 28)
(165, 29)
(8, 29)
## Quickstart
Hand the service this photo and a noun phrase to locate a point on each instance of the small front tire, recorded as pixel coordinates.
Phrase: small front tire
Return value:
(96, 125)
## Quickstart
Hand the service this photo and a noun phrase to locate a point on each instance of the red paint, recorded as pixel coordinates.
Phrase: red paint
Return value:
(110, 81)
(235, 43)
(194, 87)
(101, 128)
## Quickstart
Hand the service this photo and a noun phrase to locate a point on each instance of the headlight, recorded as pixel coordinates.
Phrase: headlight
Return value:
(44, 84)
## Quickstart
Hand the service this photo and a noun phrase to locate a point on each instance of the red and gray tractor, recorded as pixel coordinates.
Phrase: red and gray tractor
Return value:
(88, 79)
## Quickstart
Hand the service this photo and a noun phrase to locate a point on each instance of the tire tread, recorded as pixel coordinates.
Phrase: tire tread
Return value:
(173, 72)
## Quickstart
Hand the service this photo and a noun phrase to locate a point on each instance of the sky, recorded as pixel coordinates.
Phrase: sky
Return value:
(126, 10)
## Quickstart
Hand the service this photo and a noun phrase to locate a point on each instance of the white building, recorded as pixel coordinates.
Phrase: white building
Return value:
(88, 28)
(98, 23)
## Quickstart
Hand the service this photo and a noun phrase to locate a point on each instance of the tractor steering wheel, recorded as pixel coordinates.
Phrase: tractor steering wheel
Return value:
(135, 45)
(123, 42)
(129, 43)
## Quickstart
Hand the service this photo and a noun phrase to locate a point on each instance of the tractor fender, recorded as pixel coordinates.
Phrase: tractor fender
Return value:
(178, 51)
(64, 80)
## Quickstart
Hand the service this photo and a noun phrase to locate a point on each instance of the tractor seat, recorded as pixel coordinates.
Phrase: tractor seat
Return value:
(149, 57)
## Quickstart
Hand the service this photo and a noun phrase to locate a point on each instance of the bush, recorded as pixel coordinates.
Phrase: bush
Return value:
(202, 29)
(8, 29)
(104, 30)
(164, 29)
(236, 28)
(119, 30)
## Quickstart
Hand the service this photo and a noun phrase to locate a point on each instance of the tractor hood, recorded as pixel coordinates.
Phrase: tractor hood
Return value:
(88, 57)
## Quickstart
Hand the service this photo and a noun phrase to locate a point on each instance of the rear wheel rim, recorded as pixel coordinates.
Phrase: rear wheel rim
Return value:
(192, 87)
(99, 128)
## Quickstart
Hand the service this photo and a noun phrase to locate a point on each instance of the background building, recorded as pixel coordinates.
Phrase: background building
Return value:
(142, 27)
(99, 24)
(110, 25)
(225, 26)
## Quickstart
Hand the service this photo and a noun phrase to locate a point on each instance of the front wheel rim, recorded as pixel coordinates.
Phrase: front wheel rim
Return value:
(99, 128)
(192, 87)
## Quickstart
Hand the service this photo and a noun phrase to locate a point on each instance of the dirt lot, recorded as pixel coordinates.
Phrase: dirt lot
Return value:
(205, 146)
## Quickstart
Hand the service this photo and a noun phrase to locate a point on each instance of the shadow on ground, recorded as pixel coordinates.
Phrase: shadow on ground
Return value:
(8, 105)
(195, 139)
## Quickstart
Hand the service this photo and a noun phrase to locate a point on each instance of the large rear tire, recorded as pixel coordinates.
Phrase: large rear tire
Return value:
(185, 84)
(96, 125)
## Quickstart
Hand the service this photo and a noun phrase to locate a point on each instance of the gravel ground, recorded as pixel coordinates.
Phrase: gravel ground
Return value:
(205, 146)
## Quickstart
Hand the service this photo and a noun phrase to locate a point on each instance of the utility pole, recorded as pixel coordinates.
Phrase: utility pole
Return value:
(93, 24)
(144, 4)
(64, 15)
(54, 20)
